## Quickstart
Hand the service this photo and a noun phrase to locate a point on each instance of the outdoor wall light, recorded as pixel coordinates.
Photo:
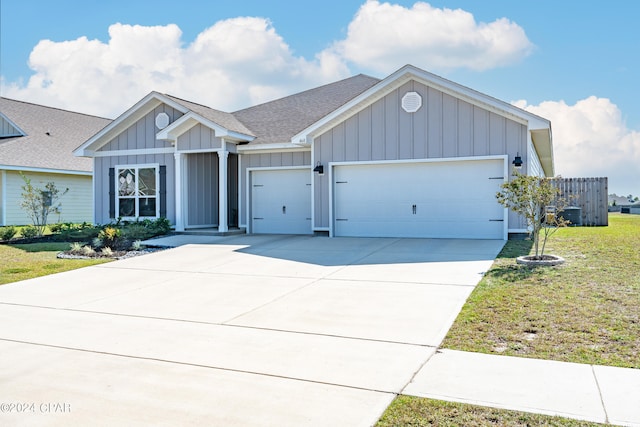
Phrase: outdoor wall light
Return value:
(517, 162)
(319, 168)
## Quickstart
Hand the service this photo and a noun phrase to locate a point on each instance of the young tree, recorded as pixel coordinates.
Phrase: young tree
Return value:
(38, 203)
(530, 196)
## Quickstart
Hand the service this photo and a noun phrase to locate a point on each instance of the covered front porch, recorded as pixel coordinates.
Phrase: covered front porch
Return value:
(206, 191)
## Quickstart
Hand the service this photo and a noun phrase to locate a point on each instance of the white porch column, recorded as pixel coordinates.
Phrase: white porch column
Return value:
(222, 190)
(179, 157)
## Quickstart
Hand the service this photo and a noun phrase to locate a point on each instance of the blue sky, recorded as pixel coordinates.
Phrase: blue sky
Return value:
(574, 62)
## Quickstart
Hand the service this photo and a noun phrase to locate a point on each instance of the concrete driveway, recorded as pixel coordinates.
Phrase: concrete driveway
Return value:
(244, 330)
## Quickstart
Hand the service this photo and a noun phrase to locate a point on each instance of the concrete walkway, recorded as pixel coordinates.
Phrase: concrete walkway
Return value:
(593, 393)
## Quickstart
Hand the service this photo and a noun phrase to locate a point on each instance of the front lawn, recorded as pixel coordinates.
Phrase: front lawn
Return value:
(415, 411)
(20, 262)
(585, 311)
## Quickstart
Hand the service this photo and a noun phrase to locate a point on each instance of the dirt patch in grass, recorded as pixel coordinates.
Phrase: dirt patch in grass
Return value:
(416, 411)
(584, 311)
(21, 262)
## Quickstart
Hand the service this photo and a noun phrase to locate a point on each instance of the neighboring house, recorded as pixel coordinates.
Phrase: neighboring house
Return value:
(412, 155)
(631, 208)
(39, 142)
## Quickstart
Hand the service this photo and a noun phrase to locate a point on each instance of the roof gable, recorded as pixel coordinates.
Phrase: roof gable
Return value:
(539, 127)
(223, 123)
(9, 129)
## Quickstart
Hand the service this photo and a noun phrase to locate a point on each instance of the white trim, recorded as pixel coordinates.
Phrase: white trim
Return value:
(191, 119)
(313, 190)
(431, 160)
(93, 190)
(409, 72)
(135, 152)
(200, 150)
(45, 170)
(137, 166)
(519, 230)
(540, 126)
(178, 182)
(240, 187)
(126, 119)
(248, 223)
(4, 197)
(331, 165)
(321, 229)
(223, 196)
(272, 148)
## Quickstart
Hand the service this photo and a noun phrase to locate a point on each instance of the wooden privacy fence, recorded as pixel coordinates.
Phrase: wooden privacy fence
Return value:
(589, 194)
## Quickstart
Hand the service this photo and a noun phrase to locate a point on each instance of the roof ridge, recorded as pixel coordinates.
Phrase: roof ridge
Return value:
(54, 108)
(306, 91)
(177, 98)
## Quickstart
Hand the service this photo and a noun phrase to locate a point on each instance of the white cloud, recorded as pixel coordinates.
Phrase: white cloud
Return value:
(235, 63)
(384, 37)
(591, 139)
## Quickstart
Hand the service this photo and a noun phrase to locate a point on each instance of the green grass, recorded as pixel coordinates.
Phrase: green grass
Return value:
(585, 311)
(21, 262)
(415, 411)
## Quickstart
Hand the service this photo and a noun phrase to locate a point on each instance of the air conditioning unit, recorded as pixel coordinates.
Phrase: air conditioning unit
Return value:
(573, 214)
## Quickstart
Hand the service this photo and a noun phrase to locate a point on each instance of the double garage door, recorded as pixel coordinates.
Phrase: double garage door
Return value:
(448, 199)
(442, 199)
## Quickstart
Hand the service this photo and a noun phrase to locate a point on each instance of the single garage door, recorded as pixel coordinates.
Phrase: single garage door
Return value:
(281, 201)
(450, 199)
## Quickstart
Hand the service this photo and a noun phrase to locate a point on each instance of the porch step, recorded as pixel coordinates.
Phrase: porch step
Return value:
(212, 232)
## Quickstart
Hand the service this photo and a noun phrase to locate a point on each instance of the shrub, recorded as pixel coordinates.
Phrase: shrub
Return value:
(69, 231)
(530, 196)
(161, 226)
(137, 231)
(137, 245)
(88, 251)
(38, 202)
(97, 242)
(29, 232)
(107, 251)
(57, 227)
(7, 233)
(75, 248)
(109, 236)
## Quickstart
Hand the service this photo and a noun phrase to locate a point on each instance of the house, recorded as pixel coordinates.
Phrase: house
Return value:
(39, 142)
(412, 155)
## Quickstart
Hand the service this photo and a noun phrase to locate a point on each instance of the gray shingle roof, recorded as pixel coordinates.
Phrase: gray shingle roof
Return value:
(67, 130)
(226, 120)
(278, 121)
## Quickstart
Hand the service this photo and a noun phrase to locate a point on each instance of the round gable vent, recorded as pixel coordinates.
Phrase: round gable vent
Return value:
(411, 102)
(162, 120)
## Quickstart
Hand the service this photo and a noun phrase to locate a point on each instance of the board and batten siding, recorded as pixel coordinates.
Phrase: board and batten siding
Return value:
(76, 205)
(2, 190)
(7, 129)
(142, 133)
(101, 167)
(444, 127)
(266, 160)
(202, 190)
(199, 138)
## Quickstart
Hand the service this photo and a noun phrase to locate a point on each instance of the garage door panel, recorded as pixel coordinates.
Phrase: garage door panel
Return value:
(435, 199)
(281, 201)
